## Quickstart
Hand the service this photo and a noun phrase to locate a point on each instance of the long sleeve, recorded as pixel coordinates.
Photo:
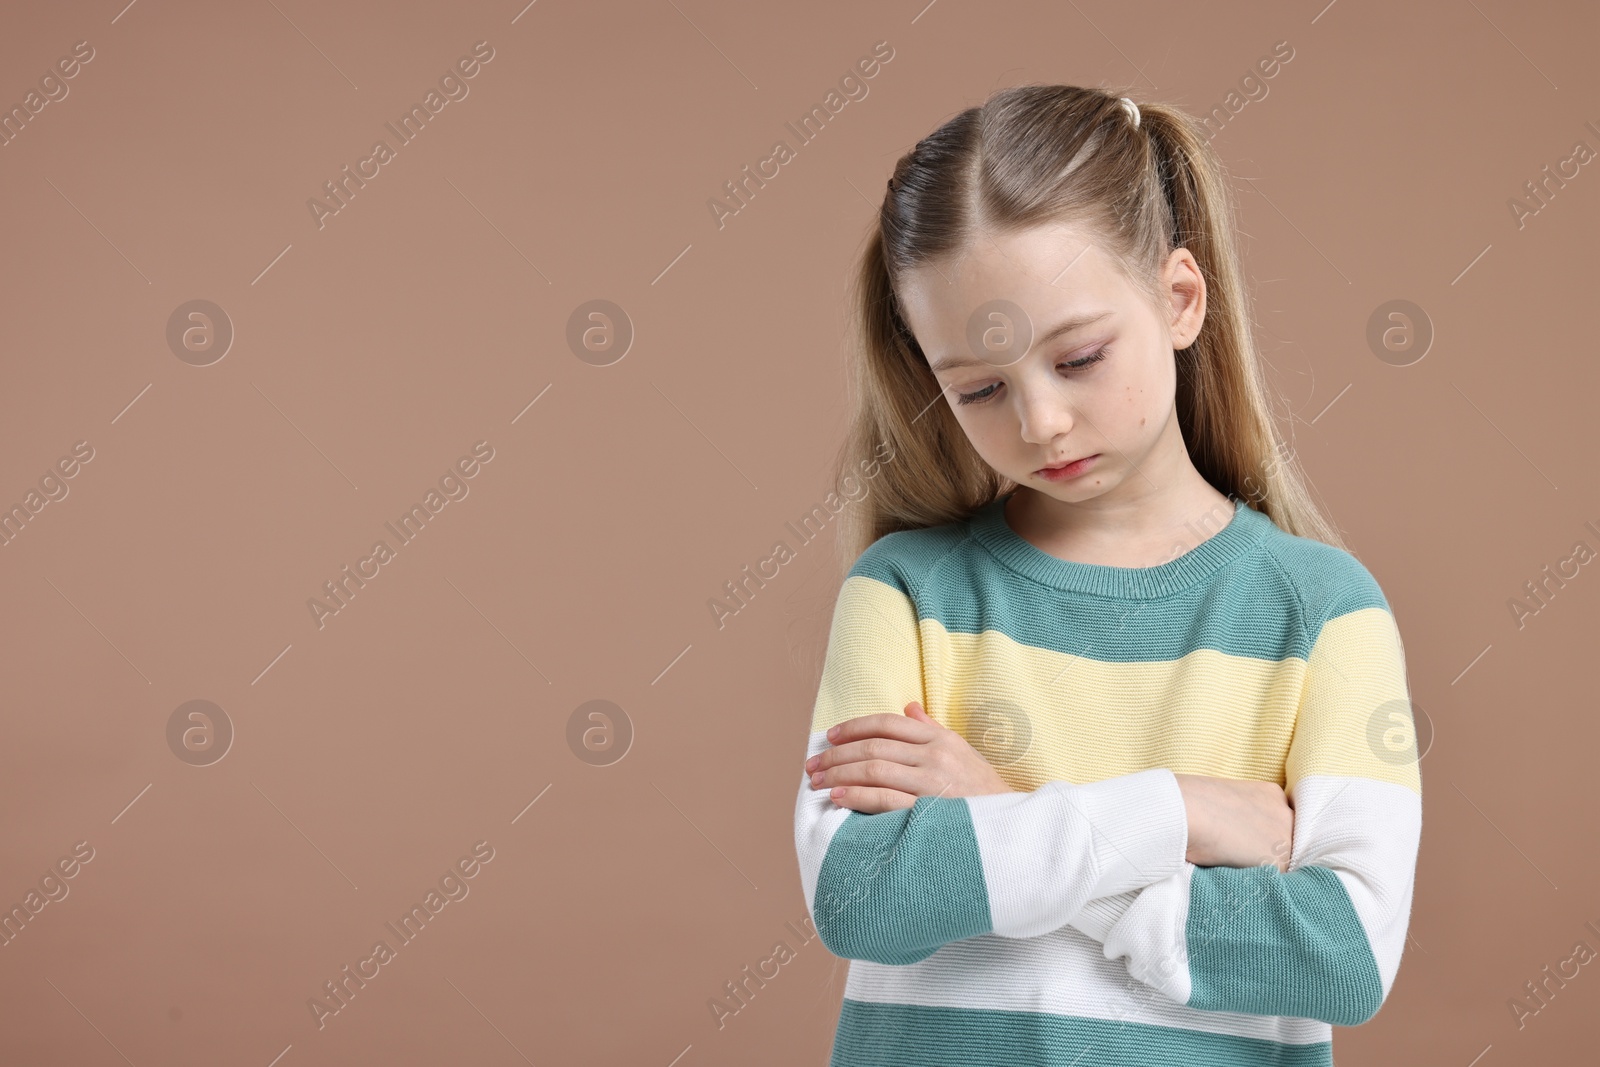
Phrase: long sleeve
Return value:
(1322, 941)
(894, 887)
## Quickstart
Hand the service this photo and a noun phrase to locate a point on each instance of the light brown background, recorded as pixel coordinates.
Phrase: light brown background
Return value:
(430, 712)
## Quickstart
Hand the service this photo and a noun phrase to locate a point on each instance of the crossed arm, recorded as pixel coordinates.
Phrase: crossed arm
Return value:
(1110, 858)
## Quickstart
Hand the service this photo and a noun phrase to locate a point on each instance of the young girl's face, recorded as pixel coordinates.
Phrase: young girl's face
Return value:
(1029, 396)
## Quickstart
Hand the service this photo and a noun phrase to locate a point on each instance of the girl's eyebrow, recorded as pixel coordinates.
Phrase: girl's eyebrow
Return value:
(1077, 322)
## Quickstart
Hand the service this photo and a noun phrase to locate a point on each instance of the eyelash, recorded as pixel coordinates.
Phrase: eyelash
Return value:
(987, 391)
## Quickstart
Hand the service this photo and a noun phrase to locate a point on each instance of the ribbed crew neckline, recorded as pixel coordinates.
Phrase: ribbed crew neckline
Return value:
(990, 529)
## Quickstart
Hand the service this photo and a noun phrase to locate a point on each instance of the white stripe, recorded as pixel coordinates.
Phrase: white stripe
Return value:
(1368, 832)
(816, 819)
(1046, 852)
(1155, 935)
(1061, 973)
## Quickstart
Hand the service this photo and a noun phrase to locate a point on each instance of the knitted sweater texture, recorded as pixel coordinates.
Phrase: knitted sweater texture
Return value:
(1061, 923)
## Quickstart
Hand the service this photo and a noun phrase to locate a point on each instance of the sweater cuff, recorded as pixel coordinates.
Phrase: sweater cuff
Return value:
(1141, 828)
(1100, 914)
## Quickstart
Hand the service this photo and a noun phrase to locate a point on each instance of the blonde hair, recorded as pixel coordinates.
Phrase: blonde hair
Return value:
(1034, 155)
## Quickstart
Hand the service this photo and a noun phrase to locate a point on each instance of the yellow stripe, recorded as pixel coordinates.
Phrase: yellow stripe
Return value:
(1084, 720)
(1040, 715)
(873, 661)
(1355, 695)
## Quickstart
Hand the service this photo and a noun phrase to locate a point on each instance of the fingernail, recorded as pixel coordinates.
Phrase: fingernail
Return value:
(816, 779)
(833, 731)
(811, 764)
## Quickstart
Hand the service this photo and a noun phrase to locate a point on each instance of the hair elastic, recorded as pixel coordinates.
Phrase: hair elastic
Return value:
(1131, 108)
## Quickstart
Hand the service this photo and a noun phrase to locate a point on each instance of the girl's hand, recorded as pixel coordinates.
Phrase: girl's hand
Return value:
(884, 762)
(1237, 824)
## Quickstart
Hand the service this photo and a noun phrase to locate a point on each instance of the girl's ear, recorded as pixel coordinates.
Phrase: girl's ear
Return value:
(1186, 291)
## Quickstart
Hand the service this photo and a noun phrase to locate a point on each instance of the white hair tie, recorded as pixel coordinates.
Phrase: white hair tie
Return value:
(1131, 108)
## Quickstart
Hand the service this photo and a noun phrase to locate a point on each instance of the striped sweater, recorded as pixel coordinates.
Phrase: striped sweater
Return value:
(1062, 923)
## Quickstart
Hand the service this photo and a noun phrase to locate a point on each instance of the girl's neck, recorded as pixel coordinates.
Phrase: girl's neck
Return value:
(1145, 532)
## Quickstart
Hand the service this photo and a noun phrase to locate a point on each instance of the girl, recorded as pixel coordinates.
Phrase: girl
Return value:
(1096, 639)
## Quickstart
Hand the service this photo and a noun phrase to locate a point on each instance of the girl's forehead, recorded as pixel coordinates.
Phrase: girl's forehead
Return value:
(1042, 257)
(1045, 279)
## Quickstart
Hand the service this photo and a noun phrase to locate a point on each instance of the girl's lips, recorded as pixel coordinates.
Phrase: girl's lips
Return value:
(1071, 470)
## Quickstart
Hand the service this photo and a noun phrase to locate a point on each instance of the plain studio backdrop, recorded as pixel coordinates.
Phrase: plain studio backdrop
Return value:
(537, 348)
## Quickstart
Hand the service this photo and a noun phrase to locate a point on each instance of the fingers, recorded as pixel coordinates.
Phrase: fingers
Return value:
(870, 748)
(873, 801)
(872, 772)
(884, 724)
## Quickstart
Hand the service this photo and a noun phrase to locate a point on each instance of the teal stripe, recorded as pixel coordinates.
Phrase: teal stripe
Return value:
(1251, 607)
(896, 886)
(1269, 943)
(909, 1035)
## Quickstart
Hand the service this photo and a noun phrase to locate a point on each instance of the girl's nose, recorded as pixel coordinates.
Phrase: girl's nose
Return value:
(1044, 413)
